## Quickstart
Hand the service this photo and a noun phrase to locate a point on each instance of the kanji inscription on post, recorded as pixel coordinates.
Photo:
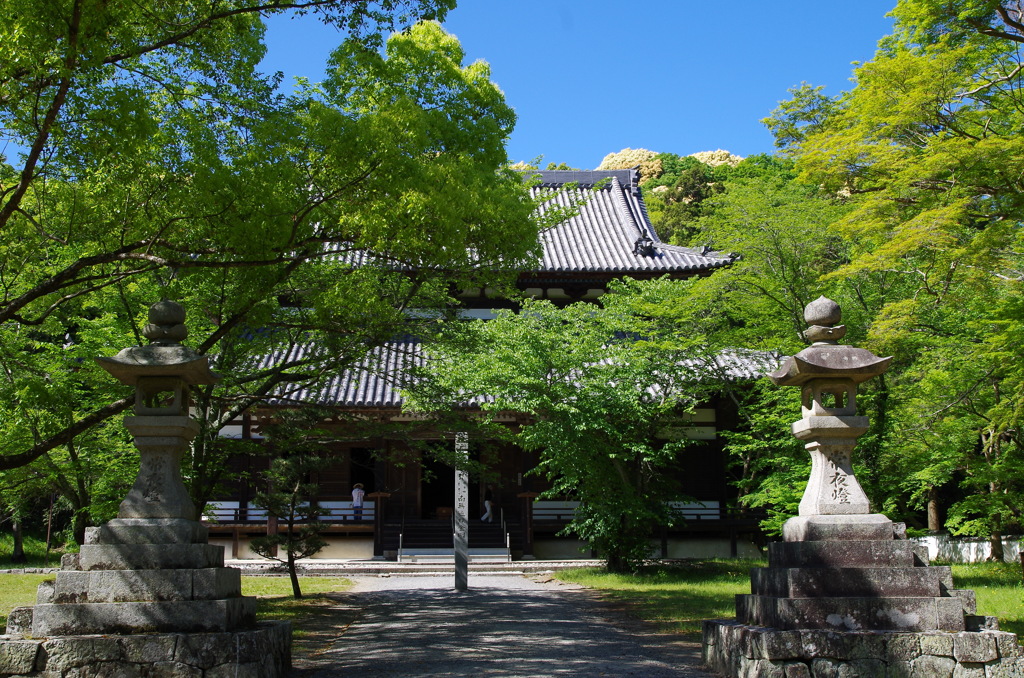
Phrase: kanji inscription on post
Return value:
(461, 515)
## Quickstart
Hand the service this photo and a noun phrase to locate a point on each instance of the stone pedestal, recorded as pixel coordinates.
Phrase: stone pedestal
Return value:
(846, 596)
(146, 596)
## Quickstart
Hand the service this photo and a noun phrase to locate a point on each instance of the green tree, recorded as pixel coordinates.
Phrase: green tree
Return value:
(166, 166)
(599, 399)
(926, 145)
(287, 486)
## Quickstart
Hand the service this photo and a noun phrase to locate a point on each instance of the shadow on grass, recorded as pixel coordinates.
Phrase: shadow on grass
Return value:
(677, 597)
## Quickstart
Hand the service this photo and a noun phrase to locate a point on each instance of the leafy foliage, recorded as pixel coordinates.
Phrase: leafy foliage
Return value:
(288, 485)
(926, 148)
(158, 162)
(600, 384)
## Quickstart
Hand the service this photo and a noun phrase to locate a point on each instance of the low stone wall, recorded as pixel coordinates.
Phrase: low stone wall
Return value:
(734, 649)
(262, 652)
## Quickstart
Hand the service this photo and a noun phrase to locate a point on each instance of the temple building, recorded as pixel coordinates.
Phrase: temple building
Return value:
(407, 509)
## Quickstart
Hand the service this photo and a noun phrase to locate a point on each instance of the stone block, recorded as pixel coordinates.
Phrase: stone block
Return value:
(216, 582)
(937, 644)
(207, 650)
(826, 668)
(776, 645)
(900, 668)
(232, 670)
(868, 668)
(797, 670)
(902, 646)
(878, 553)
(18, 656)
(150, 556)
(846, 582)
(933, 667)
(265, 649)
(108, 586)
(1007, 668)
(969, 671)
(148, 648)
(762, 668)
(148, 531)
(172, 670)
(69, 561)
(974, 647)
(949, 614)
(71, 652)
(19, 621)
(869, 645)
(143, 617)
(44, 593)
(870, 527)
(1006, 644)
(846, 614)
(968, 600)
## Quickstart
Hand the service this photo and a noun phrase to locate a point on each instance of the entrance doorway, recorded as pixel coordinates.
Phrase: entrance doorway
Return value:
(437, 488)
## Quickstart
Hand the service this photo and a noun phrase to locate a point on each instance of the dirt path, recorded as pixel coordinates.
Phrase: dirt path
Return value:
(503, 626)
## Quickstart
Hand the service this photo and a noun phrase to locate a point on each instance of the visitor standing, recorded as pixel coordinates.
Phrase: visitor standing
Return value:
(357, 501)
(488, 503)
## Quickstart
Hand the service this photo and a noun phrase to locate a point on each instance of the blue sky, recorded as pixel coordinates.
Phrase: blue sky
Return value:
(587, 78)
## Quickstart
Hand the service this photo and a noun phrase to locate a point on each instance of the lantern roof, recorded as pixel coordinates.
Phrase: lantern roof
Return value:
(165, 356)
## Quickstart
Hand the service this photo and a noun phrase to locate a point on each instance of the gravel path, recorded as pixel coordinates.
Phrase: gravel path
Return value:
(503, 626)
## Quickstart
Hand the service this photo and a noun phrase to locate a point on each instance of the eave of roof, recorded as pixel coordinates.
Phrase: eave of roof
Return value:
(602, 237)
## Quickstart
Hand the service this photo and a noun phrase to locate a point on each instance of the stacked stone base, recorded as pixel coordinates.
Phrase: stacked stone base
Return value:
(261, 652)
(145, 598)
(848, 596)
(734, 649)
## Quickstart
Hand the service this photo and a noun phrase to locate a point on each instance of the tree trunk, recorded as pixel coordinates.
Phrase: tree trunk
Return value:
(934, 521)
(995, 540)
(293, 575)
(18, 551)
(81, 521)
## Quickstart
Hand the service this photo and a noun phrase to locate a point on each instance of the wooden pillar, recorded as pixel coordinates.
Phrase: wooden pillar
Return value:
(527, 508)
(378, 522)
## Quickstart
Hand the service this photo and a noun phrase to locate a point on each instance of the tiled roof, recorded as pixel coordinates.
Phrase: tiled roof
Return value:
(603, 236)
(373, 382)
(377, 380)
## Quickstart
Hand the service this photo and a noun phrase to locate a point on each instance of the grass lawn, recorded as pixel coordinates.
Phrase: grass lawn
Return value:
(999, 589)
(678, 597)
(18, 590)
(274, 595)
(35, 553)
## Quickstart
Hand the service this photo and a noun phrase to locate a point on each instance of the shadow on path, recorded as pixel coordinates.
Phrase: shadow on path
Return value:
(490, 632)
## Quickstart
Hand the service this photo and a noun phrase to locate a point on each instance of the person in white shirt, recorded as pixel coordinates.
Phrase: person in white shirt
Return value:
(357, 501)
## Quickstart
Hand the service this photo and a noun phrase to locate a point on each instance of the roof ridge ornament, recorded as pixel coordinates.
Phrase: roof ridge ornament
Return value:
(644, 246)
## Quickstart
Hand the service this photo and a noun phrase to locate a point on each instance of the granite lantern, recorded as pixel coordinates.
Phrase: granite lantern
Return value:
(147, 595)
(845, 592)
(161, 374)
(828, 373)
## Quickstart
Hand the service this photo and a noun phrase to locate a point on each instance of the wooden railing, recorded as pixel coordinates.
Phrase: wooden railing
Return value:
(549, 511)
(333, 512)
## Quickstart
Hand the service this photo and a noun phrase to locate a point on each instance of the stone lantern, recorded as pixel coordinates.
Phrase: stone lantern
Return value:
(147, 595)
(828, 374)
(161, 374)
(845, 592)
